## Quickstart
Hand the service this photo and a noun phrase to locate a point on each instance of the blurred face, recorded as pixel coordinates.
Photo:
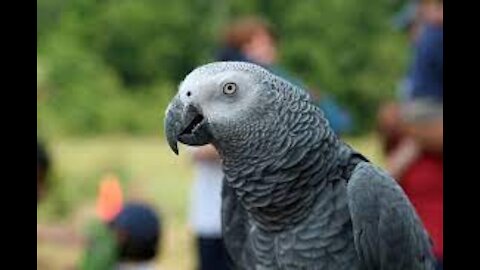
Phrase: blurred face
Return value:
(261, 48)
(432, 12)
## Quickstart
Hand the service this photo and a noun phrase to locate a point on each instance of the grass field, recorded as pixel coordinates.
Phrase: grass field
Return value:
(148, 171)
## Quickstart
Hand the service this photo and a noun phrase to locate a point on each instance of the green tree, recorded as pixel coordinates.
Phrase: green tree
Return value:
(108, 66)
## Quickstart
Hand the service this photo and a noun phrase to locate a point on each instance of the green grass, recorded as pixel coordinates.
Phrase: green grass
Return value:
(148, 171)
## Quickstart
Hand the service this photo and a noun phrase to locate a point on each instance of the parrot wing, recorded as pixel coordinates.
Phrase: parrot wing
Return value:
(388, 234)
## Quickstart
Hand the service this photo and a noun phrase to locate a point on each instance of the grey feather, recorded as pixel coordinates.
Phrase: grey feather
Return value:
(295, 196)
(388, 233)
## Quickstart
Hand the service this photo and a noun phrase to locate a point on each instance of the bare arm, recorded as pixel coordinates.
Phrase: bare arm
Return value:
(424, 136)
(400, 158)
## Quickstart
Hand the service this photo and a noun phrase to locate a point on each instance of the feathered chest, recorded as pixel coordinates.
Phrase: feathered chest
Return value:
(323, 241)
(304, 221)
(280, 192)
(278, 188)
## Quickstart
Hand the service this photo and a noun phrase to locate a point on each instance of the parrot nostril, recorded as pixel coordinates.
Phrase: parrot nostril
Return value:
(189, 93)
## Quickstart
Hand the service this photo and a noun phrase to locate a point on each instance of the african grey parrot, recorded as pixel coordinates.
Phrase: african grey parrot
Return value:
(294, 195)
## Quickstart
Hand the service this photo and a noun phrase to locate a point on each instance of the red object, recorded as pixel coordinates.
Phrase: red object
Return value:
(423, 184)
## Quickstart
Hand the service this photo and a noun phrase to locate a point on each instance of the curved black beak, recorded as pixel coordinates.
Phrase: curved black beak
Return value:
(185, 124)
(174, 123)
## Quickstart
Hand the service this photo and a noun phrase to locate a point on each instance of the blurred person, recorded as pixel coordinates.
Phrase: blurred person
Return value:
(425, 99)
(205, 208)
(129, 241)
(413, 128)
(423, 92)
(126, 236)
(388, 116)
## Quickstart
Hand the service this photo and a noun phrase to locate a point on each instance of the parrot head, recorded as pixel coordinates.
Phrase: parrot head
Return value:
(213, 101)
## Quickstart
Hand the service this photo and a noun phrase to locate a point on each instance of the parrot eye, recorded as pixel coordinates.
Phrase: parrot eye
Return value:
(229, 88)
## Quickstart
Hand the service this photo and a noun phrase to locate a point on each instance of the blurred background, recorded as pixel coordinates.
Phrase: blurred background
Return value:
(106, 71)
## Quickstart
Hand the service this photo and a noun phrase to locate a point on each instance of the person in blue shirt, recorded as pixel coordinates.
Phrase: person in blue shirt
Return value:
(412, 128)
(421, 92)
(427, 68)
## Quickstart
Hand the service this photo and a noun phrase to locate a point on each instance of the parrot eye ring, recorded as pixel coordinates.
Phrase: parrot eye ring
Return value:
(229, 88)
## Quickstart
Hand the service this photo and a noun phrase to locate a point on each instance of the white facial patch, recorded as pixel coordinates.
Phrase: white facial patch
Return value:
(206, 92)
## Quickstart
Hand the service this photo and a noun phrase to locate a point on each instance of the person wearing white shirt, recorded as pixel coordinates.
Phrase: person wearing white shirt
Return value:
(205, 208)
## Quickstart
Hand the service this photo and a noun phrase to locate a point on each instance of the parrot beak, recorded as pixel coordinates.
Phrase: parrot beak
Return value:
(185, 124)
(173, 123)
